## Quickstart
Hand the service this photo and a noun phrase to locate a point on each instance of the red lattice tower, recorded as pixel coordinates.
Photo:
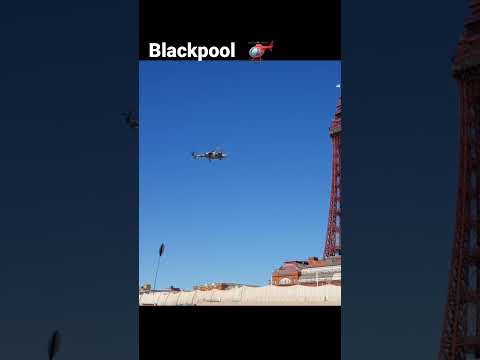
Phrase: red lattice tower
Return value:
(332, 243)
(461, 330)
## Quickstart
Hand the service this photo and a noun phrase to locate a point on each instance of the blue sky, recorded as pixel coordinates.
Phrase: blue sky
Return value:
(233, 220)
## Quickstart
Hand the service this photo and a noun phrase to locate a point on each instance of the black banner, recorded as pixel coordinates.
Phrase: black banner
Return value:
(312, 34)
(205, 329)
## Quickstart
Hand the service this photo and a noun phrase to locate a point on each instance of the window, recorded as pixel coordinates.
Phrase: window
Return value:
(285, 281)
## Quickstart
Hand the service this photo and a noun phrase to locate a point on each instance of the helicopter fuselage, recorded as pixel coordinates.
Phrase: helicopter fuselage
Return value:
(211, 155)
(256, 52)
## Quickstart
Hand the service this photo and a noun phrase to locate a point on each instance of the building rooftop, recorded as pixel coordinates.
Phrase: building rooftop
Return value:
(329, 295)
(220, 286)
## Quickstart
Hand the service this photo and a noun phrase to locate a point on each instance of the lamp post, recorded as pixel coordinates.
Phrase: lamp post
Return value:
(160, 253)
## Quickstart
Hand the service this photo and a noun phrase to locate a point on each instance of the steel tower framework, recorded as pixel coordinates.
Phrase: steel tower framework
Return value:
(332, 242)
(461, 330)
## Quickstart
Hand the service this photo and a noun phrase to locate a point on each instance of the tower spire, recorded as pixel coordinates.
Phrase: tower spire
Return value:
(461, 328)
(332, 242)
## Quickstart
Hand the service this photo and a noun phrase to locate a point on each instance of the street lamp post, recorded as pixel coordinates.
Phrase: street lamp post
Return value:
(160, 253)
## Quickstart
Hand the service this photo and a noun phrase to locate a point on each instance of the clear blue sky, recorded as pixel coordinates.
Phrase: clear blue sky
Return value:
(233, 220)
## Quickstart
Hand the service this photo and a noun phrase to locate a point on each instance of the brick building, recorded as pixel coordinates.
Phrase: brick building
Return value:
(313, 272)
(219, 286)
(147, 288)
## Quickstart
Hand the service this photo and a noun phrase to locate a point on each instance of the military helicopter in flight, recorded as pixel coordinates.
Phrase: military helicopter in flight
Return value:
(210, 155)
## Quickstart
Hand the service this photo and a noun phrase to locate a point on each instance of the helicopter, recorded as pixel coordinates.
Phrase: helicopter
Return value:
(210, 155)
(131, 120)
(256, 52)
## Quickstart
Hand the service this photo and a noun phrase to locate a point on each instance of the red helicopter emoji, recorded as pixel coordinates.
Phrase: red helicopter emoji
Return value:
(256, 52)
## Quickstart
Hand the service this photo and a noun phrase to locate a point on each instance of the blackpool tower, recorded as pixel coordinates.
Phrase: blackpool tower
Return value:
(332, 242)
(461, 329)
